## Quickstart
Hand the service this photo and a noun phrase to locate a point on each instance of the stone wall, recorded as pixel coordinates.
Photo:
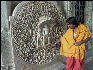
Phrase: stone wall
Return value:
(68, 7)
(89, 17)
(89, 21)
(6, 49)
(20, 63)
(7, 8)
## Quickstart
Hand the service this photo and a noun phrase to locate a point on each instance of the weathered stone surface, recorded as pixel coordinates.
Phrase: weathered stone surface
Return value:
(89, 21)
(7, 10)
(20, 64)
(6, 49)
(68, 7)
(34, 27)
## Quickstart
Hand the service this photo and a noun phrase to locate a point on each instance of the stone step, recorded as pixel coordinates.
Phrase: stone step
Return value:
(57, 66)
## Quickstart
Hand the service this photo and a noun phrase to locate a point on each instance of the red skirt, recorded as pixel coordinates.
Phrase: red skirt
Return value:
(74, 64)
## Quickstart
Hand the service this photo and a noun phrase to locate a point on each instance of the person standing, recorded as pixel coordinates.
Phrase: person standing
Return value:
(73, 44)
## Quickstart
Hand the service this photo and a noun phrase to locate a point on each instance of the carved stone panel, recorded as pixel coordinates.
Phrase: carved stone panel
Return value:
(36, 25)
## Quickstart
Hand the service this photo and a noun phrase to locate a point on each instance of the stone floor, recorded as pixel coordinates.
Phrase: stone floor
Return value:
(89, 65)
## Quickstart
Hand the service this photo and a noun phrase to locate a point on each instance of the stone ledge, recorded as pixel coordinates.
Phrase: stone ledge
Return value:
(57, 66)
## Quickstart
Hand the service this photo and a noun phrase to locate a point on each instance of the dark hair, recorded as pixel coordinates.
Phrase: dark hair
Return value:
(73, 20)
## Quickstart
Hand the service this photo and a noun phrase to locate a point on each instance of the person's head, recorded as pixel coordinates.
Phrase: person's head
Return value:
(72, 22)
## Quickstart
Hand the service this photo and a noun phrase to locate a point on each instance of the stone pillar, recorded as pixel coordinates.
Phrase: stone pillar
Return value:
(6, 48)
(89, 18)
(69, 7)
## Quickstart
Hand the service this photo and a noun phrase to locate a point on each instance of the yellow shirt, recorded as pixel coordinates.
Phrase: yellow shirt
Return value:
(68, 49)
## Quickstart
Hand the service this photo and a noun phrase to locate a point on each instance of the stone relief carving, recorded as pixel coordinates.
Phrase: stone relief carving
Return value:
(36, 25)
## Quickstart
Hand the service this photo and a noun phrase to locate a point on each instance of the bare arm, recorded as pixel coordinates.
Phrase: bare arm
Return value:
(54, 44)
(86, 40)
(81, 42)
(57, 41)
